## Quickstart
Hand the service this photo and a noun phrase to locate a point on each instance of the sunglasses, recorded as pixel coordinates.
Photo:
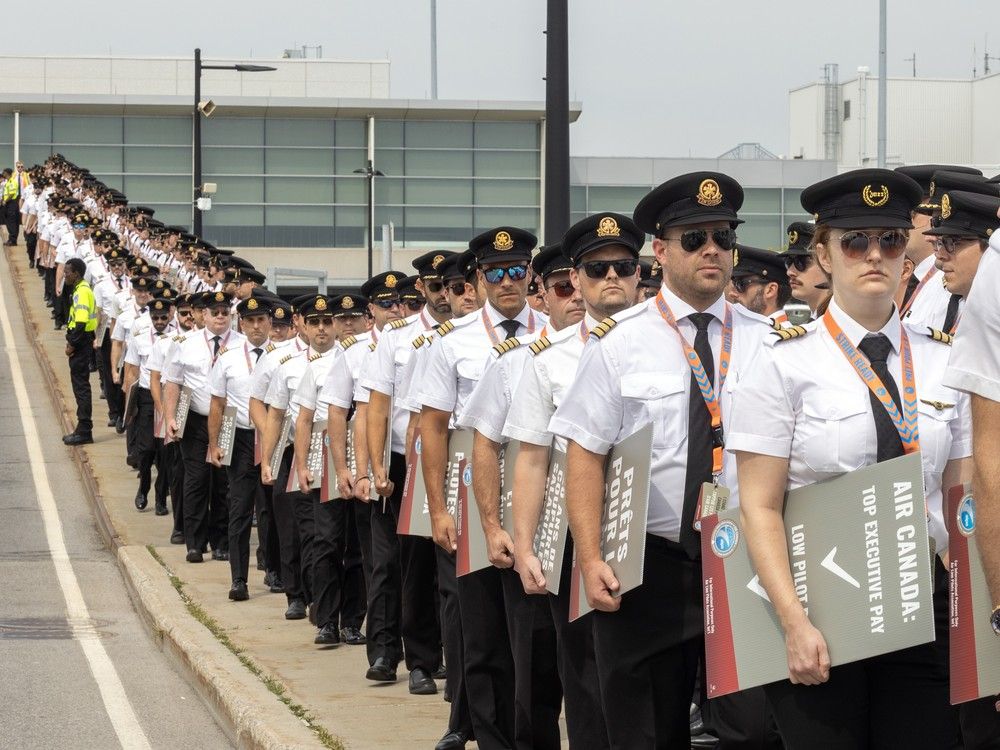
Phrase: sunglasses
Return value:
(742, 283)
(800, 262)
(598, 269)
(952, 245)
(562, 289)
(79, 226)
(385, 304)
(516, 273)
(855, 244)
(320, 320)
(695, 239)
(160, 317)
(413, 305)
(218, 312)
(457, 288)
(433, 286)
(185, 313)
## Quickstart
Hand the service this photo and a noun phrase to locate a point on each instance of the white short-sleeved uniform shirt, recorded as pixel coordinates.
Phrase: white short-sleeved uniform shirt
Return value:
(68, 248)
(455, 363)
(139, 352)
(803, 400)
(975, 354)
(342, 385)
(307, 392)
(268, 364)
(124, 320)
(163, 352)
(547, 376)
(285, 380)
(231, 377)
(637, 373)
(408, 387)
(930, 305)
(193, 362)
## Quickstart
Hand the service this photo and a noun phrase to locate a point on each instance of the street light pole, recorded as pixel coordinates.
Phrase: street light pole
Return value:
(370, 174)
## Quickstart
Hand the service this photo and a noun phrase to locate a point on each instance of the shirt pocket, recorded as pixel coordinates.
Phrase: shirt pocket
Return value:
(935, 432)
(659, 398)
(838, 433)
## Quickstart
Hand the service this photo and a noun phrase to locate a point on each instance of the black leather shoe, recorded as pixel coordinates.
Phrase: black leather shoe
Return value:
(120, 427)
(141, 501)
(177, 537)
(441, 673)
(220, 554)
(421, 682)
(352, 636)
(704, 740)
(112, 422)
(452, 741)
(381, 671)
(327, 636)
(194, 556)
(78, 438)
(238, 592)
(276, 586)
(161, 507)
(296, 610)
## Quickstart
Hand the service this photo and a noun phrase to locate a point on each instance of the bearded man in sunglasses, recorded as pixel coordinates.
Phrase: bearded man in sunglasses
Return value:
(810, 284)
(760, 284)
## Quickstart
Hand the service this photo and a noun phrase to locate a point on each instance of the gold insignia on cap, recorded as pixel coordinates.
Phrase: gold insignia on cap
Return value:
(709, 193)
(158, 305)
(503, 241)
(220, 297)
(876, 197)
(931, 193)
(608, 227)
(347, 303)
(945, 206)
(390, 281)
(736, 257)
(793, 237)
(320, 303)
(251, 304)
(279, 313)
(438, 260)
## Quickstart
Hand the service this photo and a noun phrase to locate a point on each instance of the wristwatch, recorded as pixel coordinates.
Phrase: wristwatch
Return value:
(995, 620)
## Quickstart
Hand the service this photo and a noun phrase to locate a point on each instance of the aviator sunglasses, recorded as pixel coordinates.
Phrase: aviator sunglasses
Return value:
(695, 239)
(800, 262)
(598, 269)
(855, 244)
(495, 275)
(562, 289)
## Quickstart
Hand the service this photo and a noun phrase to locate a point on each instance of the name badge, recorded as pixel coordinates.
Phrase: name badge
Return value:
(713, 498)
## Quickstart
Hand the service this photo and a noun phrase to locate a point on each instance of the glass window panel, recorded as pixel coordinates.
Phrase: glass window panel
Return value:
(438, 163)
(614, 198)
(346, 160)
(762, 231)
(507, 193)
(36, 129)
(761, 200)
(111, 180)
(7, 129)
(232, 131)
(95, 158)
(439, 192)
(307, 216)
(299, 161)
(352, 189)
(169, 159)
(239, 190)
(488, 218)
(383, 215)
(438, 134)
(388, 190)
(349, 223)
(578, 198)
(159, 130)
(7, 155)
(232, 161)
(143, 189)
(437, 224)
(77, 129)
(299, 190)
(388, 133)
(179, 216)
(298, 132)
(387, 161)
(352, 133)
(507, 135)
(35, 154)
(792, 202)
(222, 216)
(507, 164)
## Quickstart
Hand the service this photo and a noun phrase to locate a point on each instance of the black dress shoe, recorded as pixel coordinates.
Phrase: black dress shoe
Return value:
(381, 671)
(327, 636)
(441, 673)
(705, 740)
(421, 682)
(452, 741)
(276, 586)
(311, 611)
(177, 537)
(120, 427)
(194, 556)
(296, 610)
(220, 554)
(161, 507)
(353, 636)
(112, 422)
(141, 501)
(238, 592)
(78, 438)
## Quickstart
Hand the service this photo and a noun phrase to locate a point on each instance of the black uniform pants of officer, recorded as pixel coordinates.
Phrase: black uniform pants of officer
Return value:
(385, 593)
(537, 691)
(355, 605)
(50, 284)
(585, 726)
(79, 377)
(176, 460)
(489, 665)
(145, 444)
(293, 513)
(244, 485)
(267, 531)
(12, 218)
(31, 243)
(112, 392)
(900, 699)
(206, 513)
(647, 652)
(459, 718)
(163, 466)
(330, 593)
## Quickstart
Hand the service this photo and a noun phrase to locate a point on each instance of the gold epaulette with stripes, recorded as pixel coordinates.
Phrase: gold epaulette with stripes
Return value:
(314, 357)
(419, 341)
(285, 359)
(270, 348)
(540, 345)
(786, 334)
(505, 346)
(775, 324)
(602, 328)
(372, 345)
(401, 323)
(222, 351)
(445, 328)
(939, 336)
(348, 342)
(179, 338)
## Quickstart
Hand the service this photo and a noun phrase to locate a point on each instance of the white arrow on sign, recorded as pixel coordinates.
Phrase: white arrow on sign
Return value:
(838, 571)
(754, 586)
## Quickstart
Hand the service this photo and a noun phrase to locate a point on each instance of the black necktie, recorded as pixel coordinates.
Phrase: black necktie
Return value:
(876, 348)
(510, 326)
(911, 284)
(258, 351)
(119, 281)
(952, 313)
(215, 346)
(699, 455)
(142, 310)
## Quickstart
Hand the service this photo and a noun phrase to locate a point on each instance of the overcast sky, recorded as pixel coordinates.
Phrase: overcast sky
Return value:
(655, 77)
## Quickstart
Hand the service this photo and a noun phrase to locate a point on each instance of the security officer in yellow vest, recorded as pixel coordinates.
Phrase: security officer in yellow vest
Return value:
(80, 327)
(11, 205)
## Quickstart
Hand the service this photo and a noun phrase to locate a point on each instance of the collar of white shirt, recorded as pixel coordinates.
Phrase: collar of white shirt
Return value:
(590, 321)
(855, 332)
(924, 267)
(496, 316)
(682, 309)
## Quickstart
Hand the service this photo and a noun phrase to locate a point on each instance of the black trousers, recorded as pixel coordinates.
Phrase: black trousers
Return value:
(50, 284)
(12, 218)
(489, 665)
(460, 718)
(296, 530)
(355, 605)
(537, 691)
(267, 530)
(585, 726)
(144, 443)
(980, 723)
(648, 651)
(79, 376)
(176, 460)
(385, 593)
(244, 486)
(330, 590)
(900, 699)
(206, 512)
(31, 243)
(163, 470)
(112, 392)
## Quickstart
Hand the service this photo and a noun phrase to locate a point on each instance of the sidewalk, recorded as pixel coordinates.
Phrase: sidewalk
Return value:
(328, 686)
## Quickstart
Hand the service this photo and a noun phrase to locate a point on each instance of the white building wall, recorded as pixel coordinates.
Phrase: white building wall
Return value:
(805, 123)
(986, 123)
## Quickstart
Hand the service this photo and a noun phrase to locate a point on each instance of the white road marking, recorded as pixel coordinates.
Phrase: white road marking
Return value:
(116, 702)
(838, 571)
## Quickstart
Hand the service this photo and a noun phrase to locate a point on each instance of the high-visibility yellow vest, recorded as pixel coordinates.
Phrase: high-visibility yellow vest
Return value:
(10, 189)
(84, 312)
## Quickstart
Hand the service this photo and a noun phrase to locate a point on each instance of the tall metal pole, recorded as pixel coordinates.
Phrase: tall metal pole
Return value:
(434, 52)
(196, 176)
(556, 121)
(370, 176)
(882, 82)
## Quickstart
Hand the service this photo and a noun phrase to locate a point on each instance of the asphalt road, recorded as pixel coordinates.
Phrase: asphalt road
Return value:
(77, 667)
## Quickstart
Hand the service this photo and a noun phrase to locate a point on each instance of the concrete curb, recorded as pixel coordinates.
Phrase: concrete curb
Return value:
(249, 714)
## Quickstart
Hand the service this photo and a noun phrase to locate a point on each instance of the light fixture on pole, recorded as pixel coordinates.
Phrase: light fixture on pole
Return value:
(370, 174)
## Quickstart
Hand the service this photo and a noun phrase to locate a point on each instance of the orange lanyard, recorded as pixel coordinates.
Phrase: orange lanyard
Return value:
(916, 291)
(708, 392)
(906, 423)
